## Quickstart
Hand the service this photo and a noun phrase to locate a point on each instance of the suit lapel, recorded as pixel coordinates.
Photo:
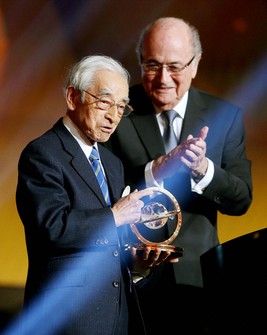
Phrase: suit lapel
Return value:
(111, 175)
(147, 128)
(195, 117)
(79, 162)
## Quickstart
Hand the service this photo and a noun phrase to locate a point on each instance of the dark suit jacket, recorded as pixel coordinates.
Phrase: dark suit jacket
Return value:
(75, 263)
(137, 141)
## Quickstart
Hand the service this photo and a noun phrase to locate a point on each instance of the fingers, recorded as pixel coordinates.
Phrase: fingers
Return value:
(127, 210)
(190, 153)
(140, 194)
(155, 257)
(203, 133)
(193, 152)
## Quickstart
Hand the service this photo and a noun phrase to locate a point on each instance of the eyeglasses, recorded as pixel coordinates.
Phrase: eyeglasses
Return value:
(105, 103)
(154, 67)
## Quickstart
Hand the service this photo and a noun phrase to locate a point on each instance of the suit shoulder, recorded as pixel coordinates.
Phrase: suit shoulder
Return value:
(212, 99)
(51, 141)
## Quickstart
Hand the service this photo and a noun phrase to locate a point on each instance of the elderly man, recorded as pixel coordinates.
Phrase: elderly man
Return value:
(192, 144)
(69, 198)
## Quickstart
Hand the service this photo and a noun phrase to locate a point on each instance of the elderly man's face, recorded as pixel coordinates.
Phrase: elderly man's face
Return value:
(94, 122)
(169, 46)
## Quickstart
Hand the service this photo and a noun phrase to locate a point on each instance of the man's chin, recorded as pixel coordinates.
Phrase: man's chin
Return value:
(164, 100)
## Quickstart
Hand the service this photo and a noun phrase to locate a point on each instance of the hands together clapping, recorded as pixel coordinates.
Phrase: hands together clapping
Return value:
(190, 153)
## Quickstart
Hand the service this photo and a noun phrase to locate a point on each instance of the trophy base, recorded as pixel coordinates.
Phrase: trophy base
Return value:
(176, 251)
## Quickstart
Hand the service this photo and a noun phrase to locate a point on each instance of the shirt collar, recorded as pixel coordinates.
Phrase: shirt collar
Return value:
(79, 136)
(179, 108)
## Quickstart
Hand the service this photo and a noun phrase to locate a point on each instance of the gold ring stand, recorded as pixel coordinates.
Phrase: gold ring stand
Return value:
(159, 209)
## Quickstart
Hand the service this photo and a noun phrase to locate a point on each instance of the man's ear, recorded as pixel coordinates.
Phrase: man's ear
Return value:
(195, 66)
(72, 97)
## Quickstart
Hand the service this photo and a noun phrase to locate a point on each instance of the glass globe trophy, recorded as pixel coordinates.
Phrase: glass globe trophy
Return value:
(160, 222)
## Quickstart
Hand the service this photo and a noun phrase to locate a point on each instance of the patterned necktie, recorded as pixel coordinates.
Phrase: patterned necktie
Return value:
(169, 137)
(95, 162)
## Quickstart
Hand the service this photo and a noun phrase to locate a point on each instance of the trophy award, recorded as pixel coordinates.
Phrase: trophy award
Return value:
(160, 222)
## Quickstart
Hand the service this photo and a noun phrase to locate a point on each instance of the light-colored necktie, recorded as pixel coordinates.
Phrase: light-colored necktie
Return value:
(169, 137)
(95, 162)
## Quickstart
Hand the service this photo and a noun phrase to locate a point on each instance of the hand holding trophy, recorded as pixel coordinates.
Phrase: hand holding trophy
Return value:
(160, 222)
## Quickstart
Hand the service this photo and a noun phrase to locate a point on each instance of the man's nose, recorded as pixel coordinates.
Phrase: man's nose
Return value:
(163, 73)
(112, 112)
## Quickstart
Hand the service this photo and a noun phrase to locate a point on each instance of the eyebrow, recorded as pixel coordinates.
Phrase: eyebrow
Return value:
(104, 91)
(108, 93)
(156, 61)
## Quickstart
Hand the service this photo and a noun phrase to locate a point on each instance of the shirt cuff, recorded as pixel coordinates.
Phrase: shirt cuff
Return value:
(149, 178)
(136, 276)
(204, 182)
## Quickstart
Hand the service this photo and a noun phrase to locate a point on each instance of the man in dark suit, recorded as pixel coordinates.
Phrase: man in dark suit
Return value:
(78, 283)
(207, 170)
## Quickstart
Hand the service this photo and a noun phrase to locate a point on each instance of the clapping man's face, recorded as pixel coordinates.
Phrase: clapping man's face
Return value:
(168, 63)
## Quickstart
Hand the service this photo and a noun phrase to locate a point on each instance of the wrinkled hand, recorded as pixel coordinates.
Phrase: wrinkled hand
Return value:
(128, 209)
(149, 258)
(195, 154)
(190, 153)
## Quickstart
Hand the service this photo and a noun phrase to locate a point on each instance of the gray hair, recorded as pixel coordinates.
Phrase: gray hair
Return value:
(82, 74)
(194, 36)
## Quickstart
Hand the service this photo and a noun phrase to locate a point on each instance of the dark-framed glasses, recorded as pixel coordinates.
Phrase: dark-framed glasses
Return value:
(105, 103)
(150, 67)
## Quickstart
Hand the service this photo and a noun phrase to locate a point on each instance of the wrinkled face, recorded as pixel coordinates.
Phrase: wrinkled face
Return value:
(98, 120)
(168, 46)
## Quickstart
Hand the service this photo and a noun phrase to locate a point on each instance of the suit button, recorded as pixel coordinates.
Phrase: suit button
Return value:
(115, 253)
(101, 242)
(116, 283)
(217, 200)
